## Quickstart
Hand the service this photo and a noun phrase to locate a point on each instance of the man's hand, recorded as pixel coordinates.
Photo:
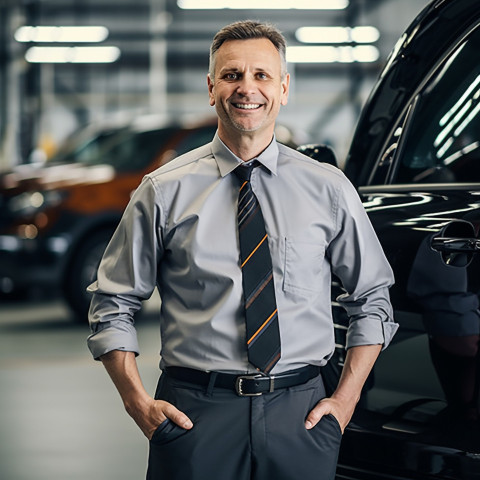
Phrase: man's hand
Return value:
(155, 412)
(147, 412)
(342, 411)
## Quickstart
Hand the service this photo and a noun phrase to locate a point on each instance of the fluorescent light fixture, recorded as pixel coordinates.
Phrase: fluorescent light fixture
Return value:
(263, 4)
(337, 34)
(61, 34)
(72, 54)
(330, 54)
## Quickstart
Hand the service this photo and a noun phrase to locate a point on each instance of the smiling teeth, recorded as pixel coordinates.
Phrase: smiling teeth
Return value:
(247, 106)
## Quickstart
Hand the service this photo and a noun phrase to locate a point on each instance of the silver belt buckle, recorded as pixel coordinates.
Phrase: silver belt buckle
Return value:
(239, 380)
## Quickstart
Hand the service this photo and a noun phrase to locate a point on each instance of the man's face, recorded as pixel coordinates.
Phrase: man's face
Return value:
(248, 89)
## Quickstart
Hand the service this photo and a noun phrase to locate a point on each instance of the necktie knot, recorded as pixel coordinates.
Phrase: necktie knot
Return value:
(244, 172)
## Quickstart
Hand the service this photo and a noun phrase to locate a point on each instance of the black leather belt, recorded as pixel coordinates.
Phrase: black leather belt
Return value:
(248, 385)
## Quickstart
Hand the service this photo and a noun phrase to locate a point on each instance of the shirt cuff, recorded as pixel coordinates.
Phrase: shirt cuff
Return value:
(370, 331)
(123, 338)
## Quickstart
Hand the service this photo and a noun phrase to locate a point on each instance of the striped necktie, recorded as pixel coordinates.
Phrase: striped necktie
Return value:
(263, 336)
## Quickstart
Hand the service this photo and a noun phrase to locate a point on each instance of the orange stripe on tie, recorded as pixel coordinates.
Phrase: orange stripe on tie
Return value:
(243, 184)
(254, 250)
(262, 327)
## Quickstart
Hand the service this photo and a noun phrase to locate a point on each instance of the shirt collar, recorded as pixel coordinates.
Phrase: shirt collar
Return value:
(227, 161)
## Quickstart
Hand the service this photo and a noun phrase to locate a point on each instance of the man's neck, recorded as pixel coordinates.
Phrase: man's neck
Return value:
(246, 146)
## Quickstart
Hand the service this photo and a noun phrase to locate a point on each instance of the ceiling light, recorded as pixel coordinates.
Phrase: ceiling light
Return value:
(61, 34)
(365, 34)
(263, 4)
(337, 34)
(330, 54)
(72, 54)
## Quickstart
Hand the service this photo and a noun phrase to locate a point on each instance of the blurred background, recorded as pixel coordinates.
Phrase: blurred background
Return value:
(121, 86)
(145, 57)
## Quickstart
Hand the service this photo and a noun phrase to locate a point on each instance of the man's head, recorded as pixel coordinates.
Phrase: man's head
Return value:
(245, 30)
(248, 81)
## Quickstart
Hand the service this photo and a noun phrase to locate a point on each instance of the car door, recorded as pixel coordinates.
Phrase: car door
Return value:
(418, 416)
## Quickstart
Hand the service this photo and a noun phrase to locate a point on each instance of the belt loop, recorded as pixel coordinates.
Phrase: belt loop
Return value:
(211, 383)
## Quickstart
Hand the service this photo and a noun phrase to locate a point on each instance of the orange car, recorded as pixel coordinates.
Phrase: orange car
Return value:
(56, 219)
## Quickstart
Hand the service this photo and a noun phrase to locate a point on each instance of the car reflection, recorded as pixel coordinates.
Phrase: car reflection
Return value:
(451, 318)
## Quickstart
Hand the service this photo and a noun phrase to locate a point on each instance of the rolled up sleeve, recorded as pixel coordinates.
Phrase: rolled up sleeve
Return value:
(115, 335)
(360, 264)
(126, 275)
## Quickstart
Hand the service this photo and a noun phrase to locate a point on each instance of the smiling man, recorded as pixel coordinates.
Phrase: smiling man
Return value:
(241, 237)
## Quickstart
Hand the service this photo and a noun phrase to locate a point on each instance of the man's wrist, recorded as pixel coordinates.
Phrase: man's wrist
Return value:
(343, 396)
(136, 402)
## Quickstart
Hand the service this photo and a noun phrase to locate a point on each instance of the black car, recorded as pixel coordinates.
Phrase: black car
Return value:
(415, 159)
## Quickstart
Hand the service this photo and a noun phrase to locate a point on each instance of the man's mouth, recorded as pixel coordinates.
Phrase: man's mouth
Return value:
(247, 106)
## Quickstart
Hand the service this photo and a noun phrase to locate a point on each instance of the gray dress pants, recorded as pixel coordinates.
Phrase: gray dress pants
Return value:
(243, 438)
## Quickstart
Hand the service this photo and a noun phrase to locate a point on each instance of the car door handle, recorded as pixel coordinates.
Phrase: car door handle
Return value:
(456, 245)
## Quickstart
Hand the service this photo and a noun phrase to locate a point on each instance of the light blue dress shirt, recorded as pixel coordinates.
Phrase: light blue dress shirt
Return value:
(179, 233)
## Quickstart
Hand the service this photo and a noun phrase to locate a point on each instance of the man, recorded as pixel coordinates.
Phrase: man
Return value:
(235, 403)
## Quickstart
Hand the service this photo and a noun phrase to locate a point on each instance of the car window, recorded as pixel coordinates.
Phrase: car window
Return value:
(123, 149)
(442, 141)
(196, 138)
(385, 164)
(136, 150)
(83, 148)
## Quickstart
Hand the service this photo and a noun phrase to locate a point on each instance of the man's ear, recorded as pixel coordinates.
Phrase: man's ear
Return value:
(210, 90)
(285, 89)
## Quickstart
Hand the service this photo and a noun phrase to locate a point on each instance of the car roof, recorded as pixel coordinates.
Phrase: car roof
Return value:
(432, 35)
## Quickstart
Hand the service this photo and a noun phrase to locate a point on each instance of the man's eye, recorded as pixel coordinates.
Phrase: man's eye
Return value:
(262, 76)
(231, 76)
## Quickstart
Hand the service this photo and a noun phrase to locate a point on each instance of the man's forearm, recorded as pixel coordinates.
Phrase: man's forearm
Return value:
(358, 364)
(122, 368)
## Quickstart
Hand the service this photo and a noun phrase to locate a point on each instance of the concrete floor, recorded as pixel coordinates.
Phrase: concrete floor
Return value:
(60, 416)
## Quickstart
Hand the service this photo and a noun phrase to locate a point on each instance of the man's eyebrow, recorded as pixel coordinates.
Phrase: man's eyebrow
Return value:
(263, 68)
(233, 69)
(229, 69)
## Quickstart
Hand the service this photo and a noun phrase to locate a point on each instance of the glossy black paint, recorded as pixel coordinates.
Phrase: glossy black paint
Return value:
(431, 37)
(409, 424)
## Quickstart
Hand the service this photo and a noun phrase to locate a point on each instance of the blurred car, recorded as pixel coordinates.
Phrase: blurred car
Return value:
(415, 159)
(56, 219)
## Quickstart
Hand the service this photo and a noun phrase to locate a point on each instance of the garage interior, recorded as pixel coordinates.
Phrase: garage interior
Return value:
(147, 61)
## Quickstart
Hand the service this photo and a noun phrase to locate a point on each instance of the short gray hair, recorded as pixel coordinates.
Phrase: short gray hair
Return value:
(246, 30)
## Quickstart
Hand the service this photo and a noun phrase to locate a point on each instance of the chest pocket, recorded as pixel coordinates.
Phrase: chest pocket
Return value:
(303, 266)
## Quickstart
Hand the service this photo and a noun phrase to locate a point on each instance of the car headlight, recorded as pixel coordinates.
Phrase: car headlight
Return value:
(29, 203)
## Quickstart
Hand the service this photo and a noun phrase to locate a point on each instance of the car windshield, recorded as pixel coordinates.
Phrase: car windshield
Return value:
(443, 140)
(125, 150)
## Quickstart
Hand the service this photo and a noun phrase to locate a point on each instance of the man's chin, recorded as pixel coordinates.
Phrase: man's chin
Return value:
(247, 127)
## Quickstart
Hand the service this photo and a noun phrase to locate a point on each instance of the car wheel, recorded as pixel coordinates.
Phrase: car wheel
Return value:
(83, 271)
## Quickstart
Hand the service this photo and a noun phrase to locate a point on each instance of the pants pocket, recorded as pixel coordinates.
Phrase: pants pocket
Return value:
(333, 418)
(327, 434)
(167, 432)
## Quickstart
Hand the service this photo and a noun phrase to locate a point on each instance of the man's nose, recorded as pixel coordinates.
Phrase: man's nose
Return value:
(246, 85)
